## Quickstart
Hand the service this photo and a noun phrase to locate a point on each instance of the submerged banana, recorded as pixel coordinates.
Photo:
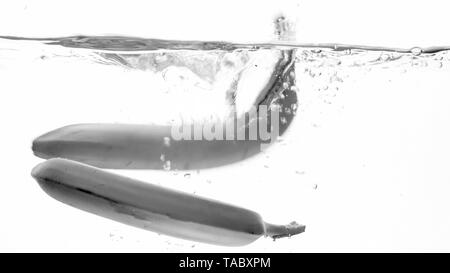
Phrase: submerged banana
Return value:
(152, 207)
(133, 146)
(130, 146)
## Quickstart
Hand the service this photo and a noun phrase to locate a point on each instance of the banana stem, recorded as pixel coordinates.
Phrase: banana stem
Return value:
(280, 231)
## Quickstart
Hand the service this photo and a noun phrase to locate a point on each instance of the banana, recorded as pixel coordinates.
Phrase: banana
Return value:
(130, 146)
(143, 146)
(152, 207)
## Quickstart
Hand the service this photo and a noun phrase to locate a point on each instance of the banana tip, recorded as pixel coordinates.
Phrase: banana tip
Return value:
(281, 231)
(37, 171)
(37, 147)
(43, 169)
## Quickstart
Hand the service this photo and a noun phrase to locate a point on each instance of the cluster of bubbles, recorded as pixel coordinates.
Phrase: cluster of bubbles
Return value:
(327, 69)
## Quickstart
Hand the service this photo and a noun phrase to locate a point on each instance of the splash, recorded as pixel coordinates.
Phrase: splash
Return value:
(223, 76)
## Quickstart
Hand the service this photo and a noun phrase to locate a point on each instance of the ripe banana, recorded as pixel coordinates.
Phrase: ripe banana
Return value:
(152, 207)
(128, 146)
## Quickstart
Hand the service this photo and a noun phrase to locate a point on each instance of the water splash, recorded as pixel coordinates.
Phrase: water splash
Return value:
(227, 76)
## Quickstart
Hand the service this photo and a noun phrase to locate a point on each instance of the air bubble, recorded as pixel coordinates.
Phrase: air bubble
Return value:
(280, 19)
(166, 165)
(166, 141)
(385, 57)
(187, 175)
(294, 88)
(292, 75)
(416, 51)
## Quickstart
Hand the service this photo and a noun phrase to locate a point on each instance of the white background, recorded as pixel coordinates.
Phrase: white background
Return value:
(379, 156)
